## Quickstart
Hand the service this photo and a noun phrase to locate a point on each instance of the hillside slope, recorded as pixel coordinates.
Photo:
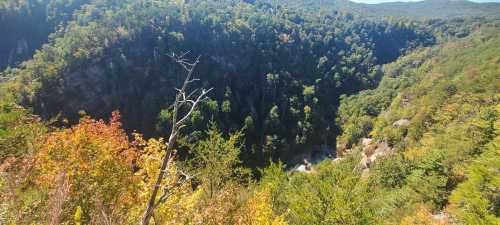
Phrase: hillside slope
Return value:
(25, 26)
(84, 124)
(438, 109)
(277, 76)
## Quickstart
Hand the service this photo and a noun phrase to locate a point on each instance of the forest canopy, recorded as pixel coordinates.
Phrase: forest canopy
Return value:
(248, 112)
(294, 64)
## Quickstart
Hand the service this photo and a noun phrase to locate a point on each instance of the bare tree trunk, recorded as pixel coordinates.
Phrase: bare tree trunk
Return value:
(56, 202)
(181, 99)
(152, 200)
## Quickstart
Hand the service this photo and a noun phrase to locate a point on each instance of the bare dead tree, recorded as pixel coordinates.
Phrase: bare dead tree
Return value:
(184, 99)
(56, 201)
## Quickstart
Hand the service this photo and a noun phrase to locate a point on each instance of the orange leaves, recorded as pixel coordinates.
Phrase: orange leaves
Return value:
(88, 144)
(96, 158)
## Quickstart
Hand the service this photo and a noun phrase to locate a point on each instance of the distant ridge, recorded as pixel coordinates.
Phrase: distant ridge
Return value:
(427, 9)
(424, 9)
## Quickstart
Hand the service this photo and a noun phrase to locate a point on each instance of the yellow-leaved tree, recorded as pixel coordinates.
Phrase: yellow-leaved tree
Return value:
(258, 209)
(173, 203)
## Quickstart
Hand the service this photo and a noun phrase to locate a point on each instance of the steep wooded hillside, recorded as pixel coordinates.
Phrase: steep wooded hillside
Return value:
(277, 76)
(249, 112)
(438, 109)
(26, 25)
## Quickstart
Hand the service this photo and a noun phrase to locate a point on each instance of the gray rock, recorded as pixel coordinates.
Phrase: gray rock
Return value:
(381, 150)
(401, 123)
(366, 141)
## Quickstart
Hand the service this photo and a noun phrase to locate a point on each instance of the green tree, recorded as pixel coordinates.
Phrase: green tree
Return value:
(217, 159)
(477, 200)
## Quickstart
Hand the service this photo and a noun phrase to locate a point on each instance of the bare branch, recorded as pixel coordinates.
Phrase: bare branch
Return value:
(192, 93)
(177, 124)
(168, 191)
(193, 80)
(194, 104)
(184, 54)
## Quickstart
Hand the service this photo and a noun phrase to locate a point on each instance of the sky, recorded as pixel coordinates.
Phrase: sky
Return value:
(379, 1)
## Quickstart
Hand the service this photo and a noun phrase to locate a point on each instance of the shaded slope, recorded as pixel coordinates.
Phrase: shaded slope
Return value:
(26, 25)
(278, 76)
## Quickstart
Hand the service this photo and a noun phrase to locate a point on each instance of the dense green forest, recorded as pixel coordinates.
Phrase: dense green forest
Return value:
(26, 25)
(277, 75)
(249, 112)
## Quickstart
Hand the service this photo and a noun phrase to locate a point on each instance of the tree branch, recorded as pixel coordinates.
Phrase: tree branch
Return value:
(180, 100)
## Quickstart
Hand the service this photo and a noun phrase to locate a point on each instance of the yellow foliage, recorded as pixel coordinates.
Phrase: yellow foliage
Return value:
(258, 210)
(175, 207)
(78, 215)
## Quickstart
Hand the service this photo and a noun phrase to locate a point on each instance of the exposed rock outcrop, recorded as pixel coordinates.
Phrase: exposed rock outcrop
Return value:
(401, 123)
(371, 151)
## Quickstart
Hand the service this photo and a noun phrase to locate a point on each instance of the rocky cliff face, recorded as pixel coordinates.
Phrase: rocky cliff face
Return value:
(371, 151)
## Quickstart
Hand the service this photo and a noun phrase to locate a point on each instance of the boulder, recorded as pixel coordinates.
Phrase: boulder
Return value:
(365, 161)
(371, 152)
(401, 123)
(381, 150)
(366, 141)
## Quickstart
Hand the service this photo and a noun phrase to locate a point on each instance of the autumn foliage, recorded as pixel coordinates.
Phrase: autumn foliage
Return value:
(88, 166)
